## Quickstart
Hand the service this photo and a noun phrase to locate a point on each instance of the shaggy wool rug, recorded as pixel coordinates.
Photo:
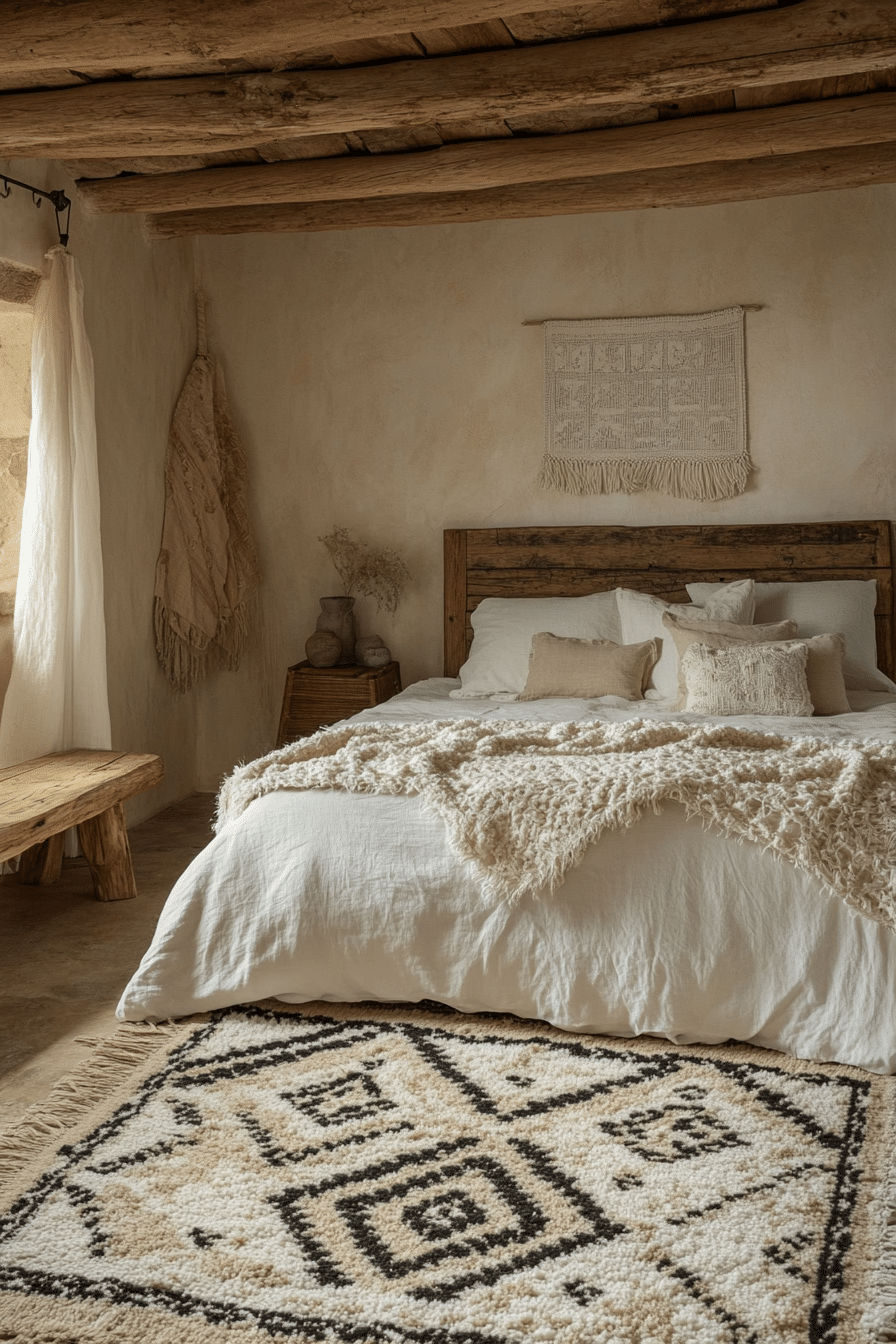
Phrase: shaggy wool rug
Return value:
(369, 1174)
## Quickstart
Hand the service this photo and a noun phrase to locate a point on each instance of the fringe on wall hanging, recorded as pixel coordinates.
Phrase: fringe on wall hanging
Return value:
(207, 571)
(646, 403)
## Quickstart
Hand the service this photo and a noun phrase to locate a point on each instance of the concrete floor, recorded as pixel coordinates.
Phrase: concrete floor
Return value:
(65, 957)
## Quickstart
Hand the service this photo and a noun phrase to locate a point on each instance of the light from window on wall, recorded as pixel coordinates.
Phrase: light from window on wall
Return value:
(15, 419)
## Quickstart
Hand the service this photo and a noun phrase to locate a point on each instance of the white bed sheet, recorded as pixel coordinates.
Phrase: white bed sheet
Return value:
(666, 928)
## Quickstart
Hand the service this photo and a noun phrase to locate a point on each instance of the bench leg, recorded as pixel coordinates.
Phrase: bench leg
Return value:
(42, 864)
(104, 840)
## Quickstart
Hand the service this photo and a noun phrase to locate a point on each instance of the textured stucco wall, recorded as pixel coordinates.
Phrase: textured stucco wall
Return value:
(382, 380)
(138, 312)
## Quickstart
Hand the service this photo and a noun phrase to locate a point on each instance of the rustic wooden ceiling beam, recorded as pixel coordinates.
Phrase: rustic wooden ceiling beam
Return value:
(114, 34)
(701, 184)
(797, 128)
(809, 40)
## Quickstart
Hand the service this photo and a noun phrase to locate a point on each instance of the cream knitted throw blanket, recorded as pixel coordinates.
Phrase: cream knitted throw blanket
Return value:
(522, 801)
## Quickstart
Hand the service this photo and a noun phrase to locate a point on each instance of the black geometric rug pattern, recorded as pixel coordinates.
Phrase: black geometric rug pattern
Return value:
(398, 1175)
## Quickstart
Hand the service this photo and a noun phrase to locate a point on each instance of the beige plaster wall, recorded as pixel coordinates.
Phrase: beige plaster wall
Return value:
(138, 311)
(382, 380)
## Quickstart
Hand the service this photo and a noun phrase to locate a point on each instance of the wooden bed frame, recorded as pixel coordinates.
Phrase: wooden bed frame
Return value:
(573, 561)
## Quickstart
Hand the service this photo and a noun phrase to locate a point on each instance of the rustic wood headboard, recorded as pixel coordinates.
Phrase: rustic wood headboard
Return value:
(573, 561)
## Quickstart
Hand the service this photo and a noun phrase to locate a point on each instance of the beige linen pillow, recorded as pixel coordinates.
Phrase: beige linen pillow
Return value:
(586, 668)
(748, 679)
(503, 627)
(824, 673)
(686, 631)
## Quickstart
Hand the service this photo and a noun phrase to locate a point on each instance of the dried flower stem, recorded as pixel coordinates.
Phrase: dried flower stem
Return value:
(365, 572)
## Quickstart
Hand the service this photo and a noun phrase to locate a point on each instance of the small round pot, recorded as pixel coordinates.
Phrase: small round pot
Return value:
(378, 656)
(322, 649)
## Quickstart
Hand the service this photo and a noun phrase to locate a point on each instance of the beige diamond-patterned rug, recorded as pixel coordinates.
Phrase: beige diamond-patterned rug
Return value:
(363, 1174)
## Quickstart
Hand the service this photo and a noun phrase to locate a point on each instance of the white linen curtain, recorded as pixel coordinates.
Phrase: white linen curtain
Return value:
(57, 696)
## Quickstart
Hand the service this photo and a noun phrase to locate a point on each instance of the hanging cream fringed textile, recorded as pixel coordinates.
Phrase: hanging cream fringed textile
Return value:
(646, 403)
(207, 570)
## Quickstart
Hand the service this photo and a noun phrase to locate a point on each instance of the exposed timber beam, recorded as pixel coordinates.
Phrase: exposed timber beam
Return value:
(113, 34)
(797, 128)
(810, 40)
(703, 184)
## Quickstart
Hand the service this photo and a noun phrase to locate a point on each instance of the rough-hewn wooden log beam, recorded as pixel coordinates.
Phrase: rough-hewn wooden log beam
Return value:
(798, 128)
(701, 184)
(113, 34)
(809, 40)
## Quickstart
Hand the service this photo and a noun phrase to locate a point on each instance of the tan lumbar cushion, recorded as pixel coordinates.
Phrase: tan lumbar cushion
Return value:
(586, 668)
(824, 673)
(748, 679)
(719, 635)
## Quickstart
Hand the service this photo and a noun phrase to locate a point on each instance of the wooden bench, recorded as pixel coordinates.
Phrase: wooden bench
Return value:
(41, 799)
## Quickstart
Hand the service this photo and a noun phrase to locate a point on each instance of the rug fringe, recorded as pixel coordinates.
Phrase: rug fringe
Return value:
(110, 1067)
(883, 1326)
(717, 478)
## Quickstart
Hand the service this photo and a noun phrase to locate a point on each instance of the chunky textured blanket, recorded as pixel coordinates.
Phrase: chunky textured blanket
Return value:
(524, 800)
(370, 1174)
(207, 570)
(646, 403)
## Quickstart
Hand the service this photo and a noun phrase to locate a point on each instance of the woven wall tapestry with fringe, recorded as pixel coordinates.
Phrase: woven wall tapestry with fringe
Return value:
(207, 571)
(646, 403)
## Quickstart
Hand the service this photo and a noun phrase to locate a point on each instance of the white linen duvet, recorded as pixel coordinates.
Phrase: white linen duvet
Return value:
(666, 928)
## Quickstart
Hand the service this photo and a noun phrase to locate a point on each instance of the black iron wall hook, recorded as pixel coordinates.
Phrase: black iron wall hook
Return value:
(61, 203)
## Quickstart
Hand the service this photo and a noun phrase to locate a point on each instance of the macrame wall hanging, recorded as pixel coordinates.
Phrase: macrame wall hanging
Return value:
(646, 403)
(207, 571)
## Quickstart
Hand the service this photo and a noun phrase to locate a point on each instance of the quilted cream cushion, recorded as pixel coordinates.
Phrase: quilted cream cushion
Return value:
(587, 668)
(748, 679)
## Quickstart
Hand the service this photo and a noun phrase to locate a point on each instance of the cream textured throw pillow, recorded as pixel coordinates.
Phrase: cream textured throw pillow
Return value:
(748, 679)
(587, 668)
(685, 631)
(641, 617)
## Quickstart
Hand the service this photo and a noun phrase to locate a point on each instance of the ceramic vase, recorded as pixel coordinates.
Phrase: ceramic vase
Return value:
(337, 616)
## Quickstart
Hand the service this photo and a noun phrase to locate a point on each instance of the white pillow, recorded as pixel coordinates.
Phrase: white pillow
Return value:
(641, 618)
(503, 627)
(819, 606)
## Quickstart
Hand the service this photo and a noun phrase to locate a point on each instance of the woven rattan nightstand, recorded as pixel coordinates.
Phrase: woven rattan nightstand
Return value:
(317, 696)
